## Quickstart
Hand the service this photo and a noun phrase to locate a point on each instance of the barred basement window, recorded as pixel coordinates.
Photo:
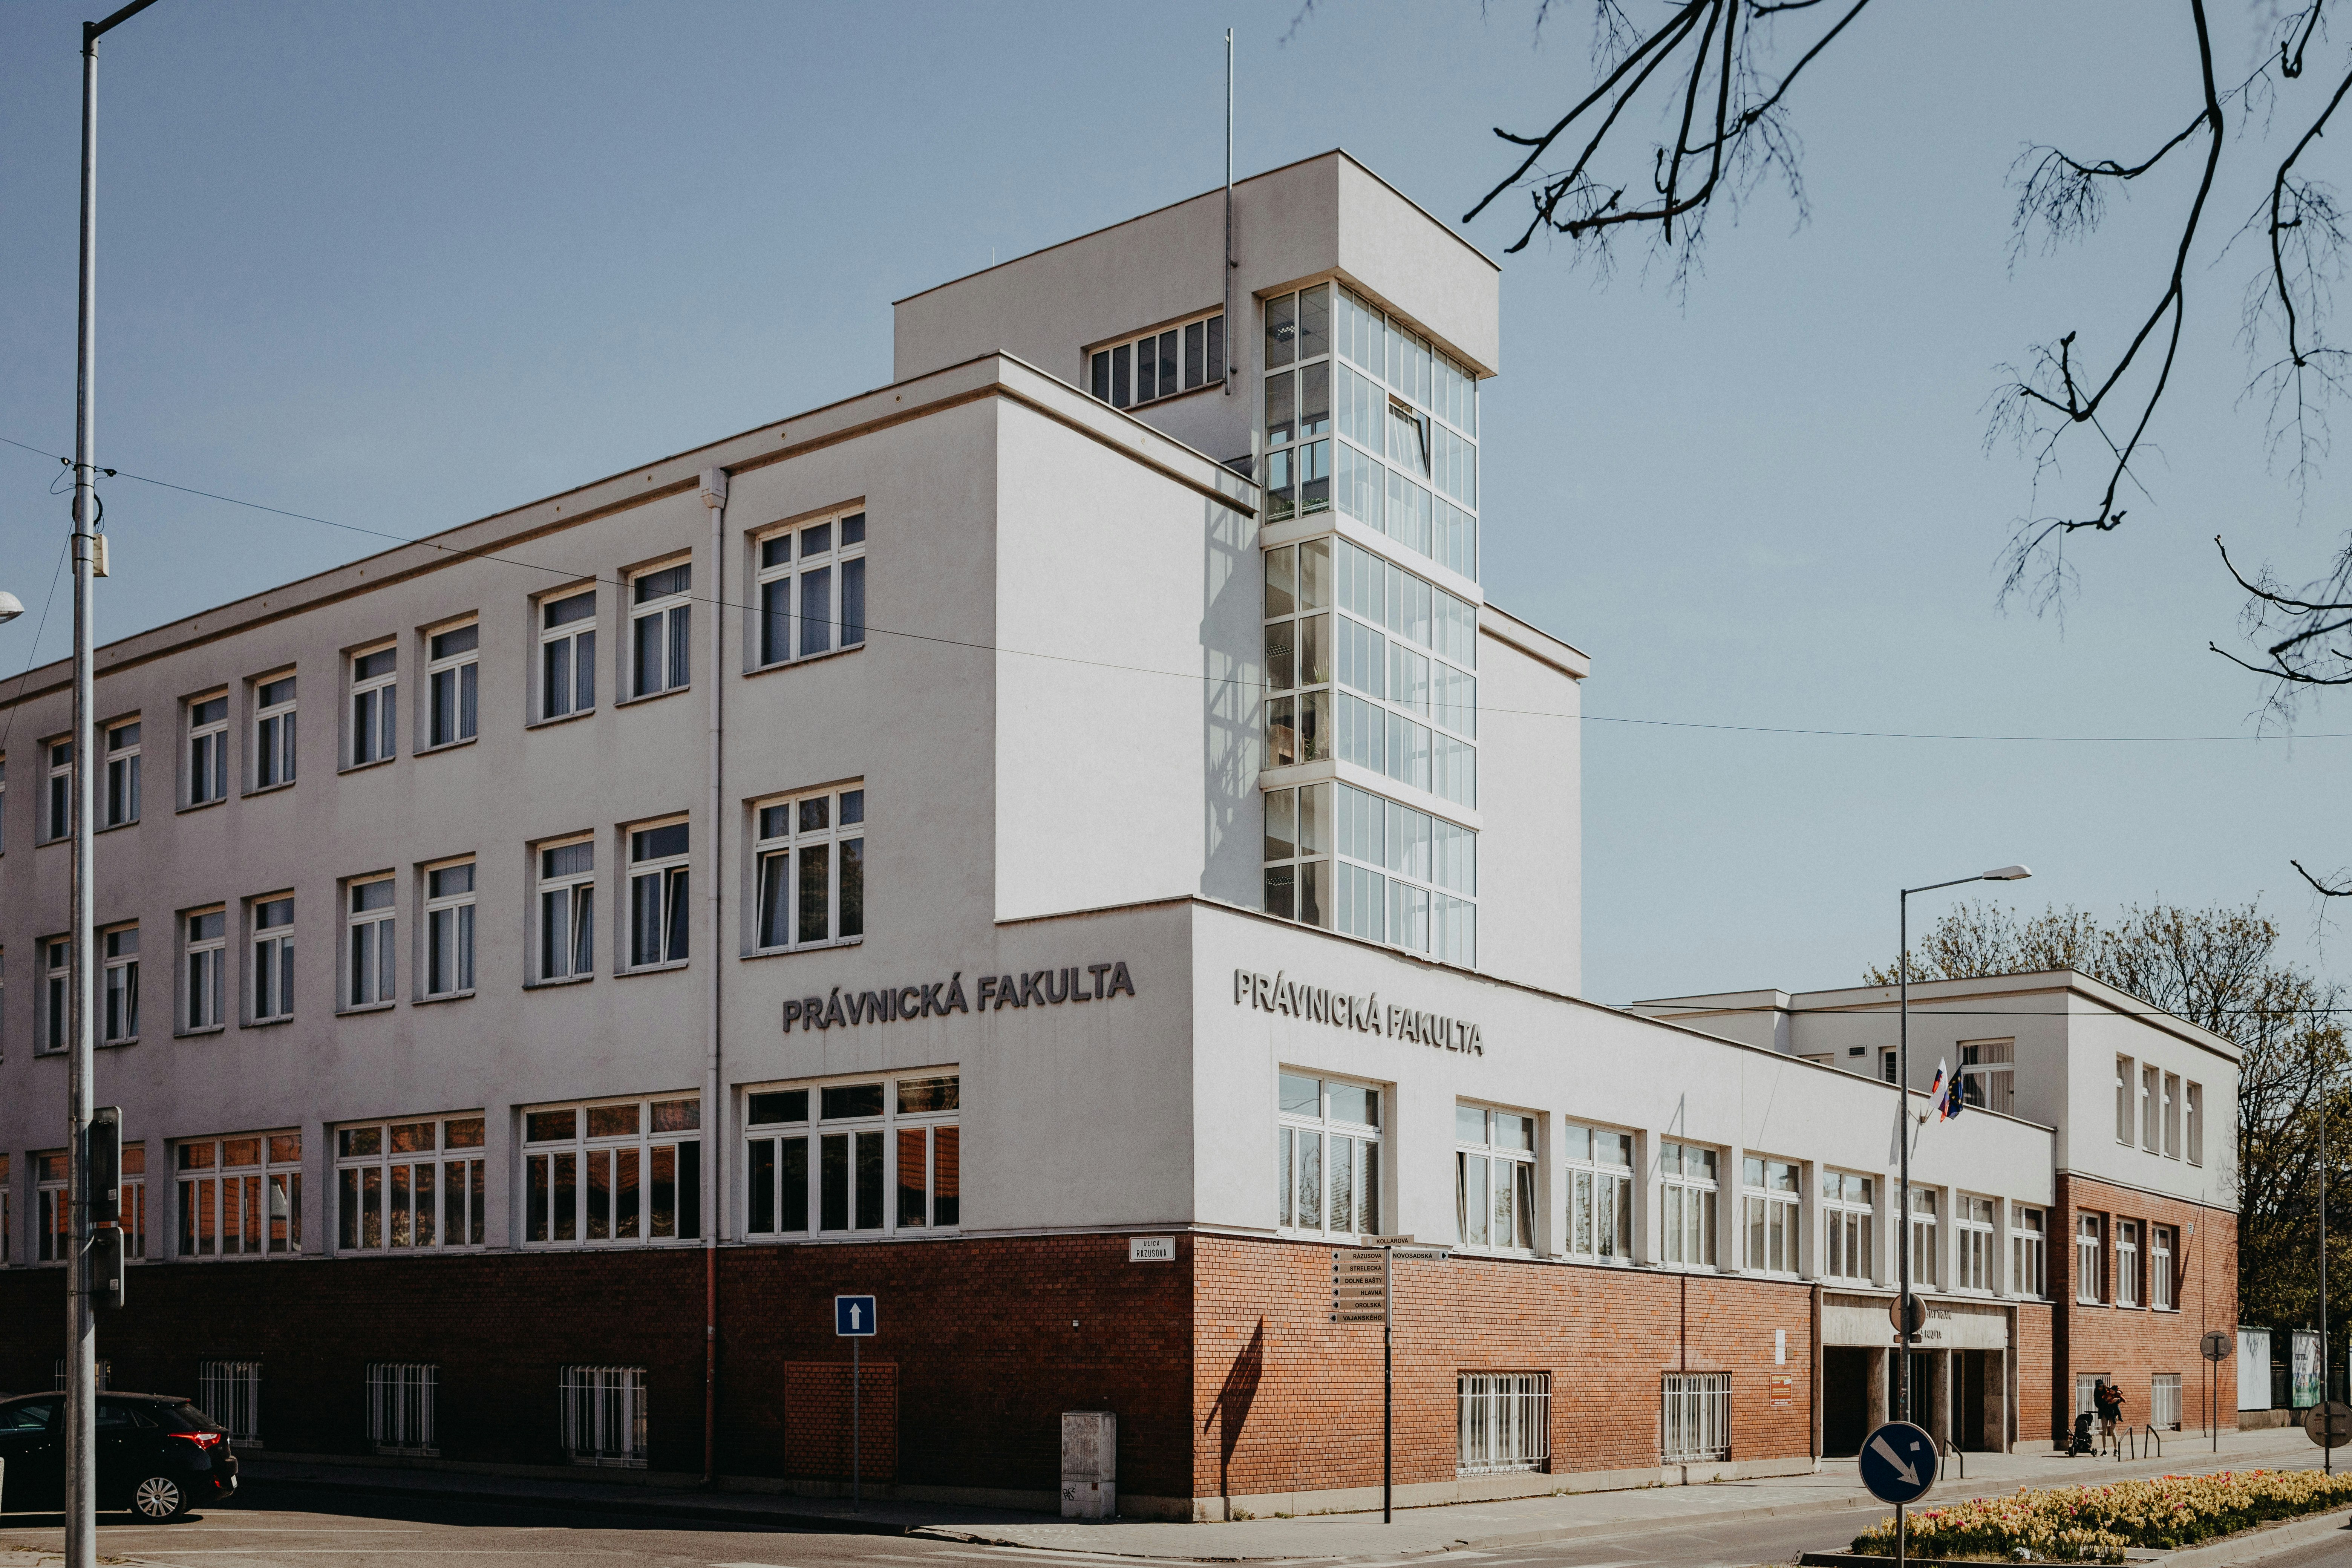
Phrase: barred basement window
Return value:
(1503, 1422)
(1689, 1209)
(241, 1195)
(1695, 1423)
(1159, 364)
(230, 1392)
(1599, 1192)
(1846, 1216)
(2164, 1401)
(400, 1406)
(1327, 1156)
(2029, 1252)
(874, 1156)
(613, 1173)
(410, 1185)
(105, 1373)
(603, 1416)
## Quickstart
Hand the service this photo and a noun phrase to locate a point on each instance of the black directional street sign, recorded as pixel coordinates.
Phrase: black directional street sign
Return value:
(1898, 1462)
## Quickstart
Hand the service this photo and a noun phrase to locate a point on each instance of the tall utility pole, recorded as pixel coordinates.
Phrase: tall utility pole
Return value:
(81, 1328)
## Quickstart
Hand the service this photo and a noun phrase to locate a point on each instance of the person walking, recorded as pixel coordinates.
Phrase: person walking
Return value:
(2109, 1399)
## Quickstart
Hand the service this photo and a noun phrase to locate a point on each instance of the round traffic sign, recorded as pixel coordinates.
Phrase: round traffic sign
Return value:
(2215, 1346)
(1910, 1307)
(1898, 1462)
(2329, 1424)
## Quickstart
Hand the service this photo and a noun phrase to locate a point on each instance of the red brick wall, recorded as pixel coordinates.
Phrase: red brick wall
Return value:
(2036, 1354)
(2129, 1344)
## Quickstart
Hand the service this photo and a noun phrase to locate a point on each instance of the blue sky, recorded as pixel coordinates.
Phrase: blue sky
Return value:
(403, 265)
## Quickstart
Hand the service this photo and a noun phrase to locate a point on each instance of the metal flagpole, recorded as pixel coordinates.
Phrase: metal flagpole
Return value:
(2327, 1389)
(1229, 213)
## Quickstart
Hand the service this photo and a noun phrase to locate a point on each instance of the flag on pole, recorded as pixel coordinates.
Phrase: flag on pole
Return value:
(1935, 1089)
(1955, 1096)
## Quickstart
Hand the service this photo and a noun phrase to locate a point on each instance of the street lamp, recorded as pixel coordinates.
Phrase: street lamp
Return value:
(11, 607)
(1903, 1116)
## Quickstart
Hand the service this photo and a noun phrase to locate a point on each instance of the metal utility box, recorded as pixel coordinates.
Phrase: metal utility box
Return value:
(1089, 1464)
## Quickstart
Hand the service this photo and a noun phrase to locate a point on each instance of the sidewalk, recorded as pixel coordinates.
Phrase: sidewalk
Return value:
(1834, 1494)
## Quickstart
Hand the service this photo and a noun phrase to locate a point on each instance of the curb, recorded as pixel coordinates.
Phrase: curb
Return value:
(2247, 1546)
(778, 1518)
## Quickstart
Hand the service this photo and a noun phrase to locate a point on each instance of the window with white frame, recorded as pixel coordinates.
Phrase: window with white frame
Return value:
(368, 940)
(400, 1406)
(2090, 1259)
(449, 928)
(812, 869)
(120, 808)
(1686, 1227)
(1697, 1421)
(1403, 652)
(1889, 1066)
(208, 748)
(567, 909)
(603, 1416)
(2150, 1113)
(230, 1392)
(51, 1177)
(1925, 1252)
(1502, 1422)
(375, 705)
(1772, 1203)
(1988, 1073)
(2160, 1250)
(613, 1173)
(2029, 1252)
(1973, 1240)
(1299, 854)
(240, 1196)
(842, 1158)
(811, 582)
(661, 638)
(410, 1185)
(567, 655)
(273, 959)
(133, 1222)
(658, 907)
(56, 1008)
(2172, 1116)
(1846, 1216)
(1327, 1156)
(1600, 1174)
(57, 818)
(2124, 1118)
(1159, 364)
(118, 1011)
(273, 732)
(2126, 1263)
(57, 1216)
(452, 673)
(2193, 1096)
(1299, 653)
(1493, 1179)
(2164, 1400)
(7, 1195)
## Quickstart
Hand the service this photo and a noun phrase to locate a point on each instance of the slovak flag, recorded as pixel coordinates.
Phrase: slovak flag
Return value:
(1935, 1089)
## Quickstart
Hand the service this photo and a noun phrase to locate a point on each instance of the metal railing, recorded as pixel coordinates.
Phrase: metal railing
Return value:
(1696, 1422)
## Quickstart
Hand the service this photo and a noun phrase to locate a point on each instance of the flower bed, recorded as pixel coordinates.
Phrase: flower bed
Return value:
(2095, 1524)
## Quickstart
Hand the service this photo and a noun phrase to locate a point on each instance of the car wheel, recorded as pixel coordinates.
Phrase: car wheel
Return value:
(159, 1498)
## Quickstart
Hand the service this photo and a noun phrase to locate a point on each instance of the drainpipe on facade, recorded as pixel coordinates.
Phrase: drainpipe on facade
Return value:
(714, 1117)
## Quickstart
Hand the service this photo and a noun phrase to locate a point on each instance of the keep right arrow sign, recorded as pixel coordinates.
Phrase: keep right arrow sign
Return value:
(1898, 1463)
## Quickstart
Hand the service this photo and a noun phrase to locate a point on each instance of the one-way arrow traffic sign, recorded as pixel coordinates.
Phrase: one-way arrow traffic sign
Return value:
(1898, 1463)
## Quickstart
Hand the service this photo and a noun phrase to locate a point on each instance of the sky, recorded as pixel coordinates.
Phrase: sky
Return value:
(400, 265)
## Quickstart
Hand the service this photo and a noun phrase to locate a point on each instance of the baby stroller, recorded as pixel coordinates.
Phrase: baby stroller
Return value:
(2082, 1443)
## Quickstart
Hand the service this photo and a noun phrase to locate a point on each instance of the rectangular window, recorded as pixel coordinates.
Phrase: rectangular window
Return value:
(55, 1237)
(2090, 1259)
(2126, 1263)
(2164, 1400)
(118, 985)
(1419, 411)
(1599, 1192)
(452, 668)
(1297, 653)
(1327, 1156)
(1298, 403)
(613, 1173)
(273, 732)
(133, 1222)
(1493, 1179)
(273, 959)
(2194, 1095)
(1925, 1252)
(121, 802)
(811, 854)
(2124, 1116)
(2029, 1255)
(603, 1416)
(2172, 1116)
(1973, 1237)
(8, 1194)
(369, 941)
(855, 1157)
(57, 819)
(661, 639)
(567, 655)
(1159, 364)
(409, 1185)
(567, 909)
(2150, 1094)
(812, 585)
(400, 1406)
(1847, 1215)
(1889, 1064)
(449, 929)
(1771, 1196)
(56, 1008)
(1687, 1213)
(1695, 1423)
(2160, 1267)
(375, 705)
(1299, 884)
(1988, 1073)
(208, 748)
(240, 1196)
(230, 1392)
(1503, 1422)
(657, 881)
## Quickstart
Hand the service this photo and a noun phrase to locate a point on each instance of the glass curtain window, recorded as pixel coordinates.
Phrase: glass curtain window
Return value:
(854, 1157)
(1690, 1206)
(812, 869)
(453, 663)
(273, 732)
(273, 959)
(1327, 1156)
(1404, 876)
(1972, 1239)
(449, 929)
(1299, 854)
(1391, 623)
(410, 1185)
(812, 583)
(616, 1173)
(661, 640)
(2029, 1256)
(208, 749)
(2126, 1263)
(1406, 401)
(1600, 1171)
(1847, 1215)
(567, 909)
(371, 943)
(375, 706)
(1297, 653)
(567, 655)
(208, 945)
(2090, 1256)
(1159, 364)
(1493, 1179)
(1925, 1270)
(57, 821)
(240, 1196)
(1771, 1199)
(1298, 403)
(118, 985)
(657, 881)
(122, 774)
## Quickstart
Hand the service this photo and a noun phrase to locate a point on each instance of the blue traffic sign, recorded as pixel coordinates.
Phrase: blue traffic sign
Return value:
(1898, 1462)
(853, 1316)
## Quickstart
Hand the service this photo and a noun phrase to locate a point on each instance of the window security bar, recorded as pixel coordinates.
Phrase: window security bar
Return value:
(230, 1392)
(401, 1397)
(605, 1415)
(1503, 1422)
(1695, 1423)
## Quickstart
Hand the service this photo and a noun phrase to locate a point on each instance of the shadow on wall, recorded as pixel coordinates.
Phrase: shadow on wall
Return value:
(1233, 1406)
(1231, 613)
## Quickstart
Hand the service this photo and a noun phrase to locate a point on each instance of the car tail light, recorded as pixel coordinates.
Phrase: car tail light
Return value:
(203, 1440)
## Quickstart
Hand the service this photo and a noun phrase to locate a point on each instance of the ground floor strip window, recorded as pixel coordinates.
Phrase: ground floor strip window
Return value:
(400, 1407)
(1503, 1422)
(1696, 1420)
(395, 1189)
(880, 1155)
(603, 1416)
(617, 1174)
(240, 1196)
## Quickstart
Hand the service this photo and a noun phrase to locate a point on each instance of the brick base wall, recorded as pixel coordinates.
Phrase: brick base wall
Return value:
(2130, 1345)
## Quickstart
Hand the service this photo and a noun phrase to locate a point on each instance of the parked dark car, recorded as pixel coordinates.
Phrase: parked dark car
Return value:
(158, 1454)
